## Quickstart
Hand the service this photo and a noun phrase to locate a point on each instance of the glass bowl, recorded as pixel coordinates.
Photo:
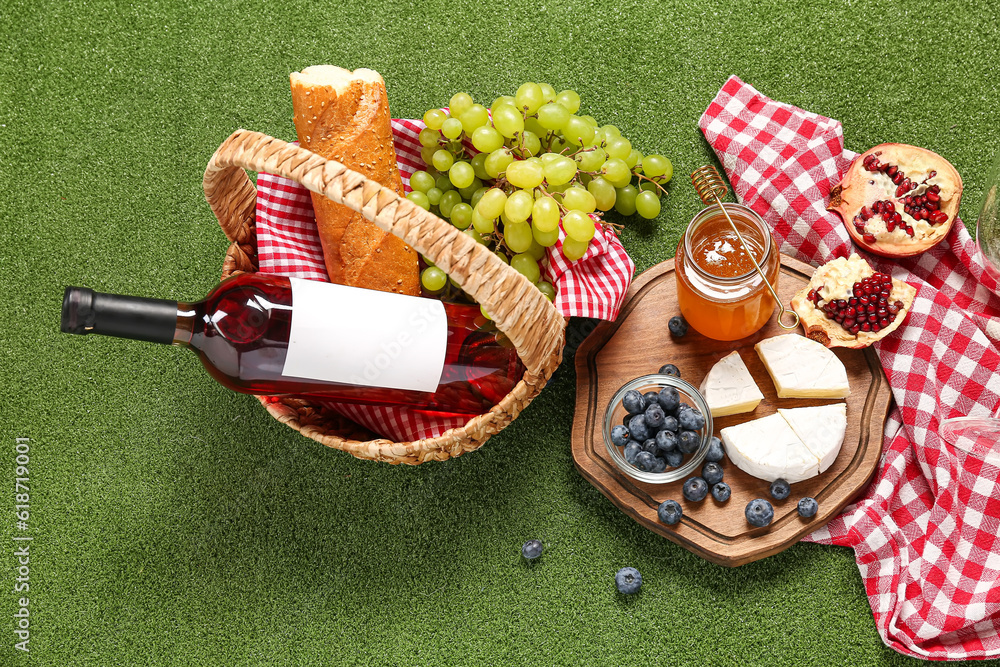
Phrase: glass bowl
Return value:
(615, 413)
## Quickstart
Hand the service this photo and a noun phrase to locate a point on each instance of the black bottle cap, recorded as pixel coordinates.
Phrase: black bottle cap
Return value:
(85, 311)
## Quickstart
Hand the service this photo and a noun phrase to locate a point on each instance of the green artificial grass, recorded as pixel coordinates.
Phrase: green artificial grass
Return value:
(176, 523)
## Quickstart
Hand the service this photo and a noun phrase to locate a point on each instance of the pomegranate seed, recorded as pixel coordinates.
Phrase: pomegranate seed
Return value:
(890, 225)
(939, 217)
(908, 210)
(936, 189)
(933, 205)
(866, 213)
(854, 330)
(884, 322)
(863, 300)
(861, 318)
(852, 301)
(851, 311)
(875, 327)
(849, 322)
(913, 185)
(891, 171)
(866, 327)
(897, 176)
(892, 309)
(930, 195)
(901, 189)
(871, 309)
(909, 232)
(869, 238)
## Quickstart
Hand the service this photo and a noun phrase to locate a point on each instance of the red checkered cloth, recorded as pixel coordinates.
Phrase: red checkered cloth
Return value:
(925, 534)
(288, 244)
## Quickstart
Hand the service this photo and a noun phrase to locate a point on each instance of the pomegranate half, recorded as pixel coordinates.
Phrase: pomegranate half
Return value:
(898, 200)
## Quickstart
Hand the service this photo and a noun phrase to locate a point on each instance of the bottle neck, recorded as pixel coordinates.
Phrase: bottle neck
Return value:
(85, 311)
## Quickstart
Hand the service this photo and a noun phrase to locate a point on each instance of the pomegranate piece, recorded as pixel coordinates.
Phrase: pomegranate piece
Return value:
(898, 200)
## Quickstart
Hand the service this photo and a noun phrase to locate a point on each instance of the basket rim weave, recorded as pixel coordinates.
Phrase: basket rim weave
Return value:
(518, 309)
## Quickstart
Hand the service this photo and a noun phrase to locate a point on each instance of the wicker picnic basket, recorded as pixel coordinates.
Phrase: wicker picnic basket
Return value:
(519, 310)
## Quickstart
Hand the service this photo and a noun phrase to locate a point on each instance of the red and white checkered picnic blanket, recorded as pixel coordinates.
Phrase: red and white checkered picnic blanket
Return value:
(925, 534)
(288, 244)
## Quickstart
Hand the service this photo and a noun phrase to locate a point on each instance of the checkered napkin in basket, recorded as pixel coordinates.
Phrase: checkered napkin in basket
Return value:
(288, 244)
(925, 534)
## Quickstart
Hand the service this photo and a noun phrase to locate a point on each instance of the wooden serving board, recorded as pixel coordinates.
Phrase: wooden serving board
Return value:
(638, 343)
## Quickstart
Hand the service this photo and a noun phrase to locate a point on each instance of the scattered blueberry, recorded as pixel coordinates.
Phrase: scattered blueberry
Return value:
(619, 436)
(632, 450)
(670, 424)
(715, 451)
(531, 549)
(645, 461)
(808, 508)
(695, 489)
(678, 326)
(759, 512)
(674, 458)
(780, 489)
(666, 441)
(650, 446)
(669, 399)
(669, 512)
(721, 492)
(661, 464)
(688, 442)
(670, 369)
(654, 416)
(690, 418)
(637, 428)
(628, 580)
(712, 472)
(633, 402)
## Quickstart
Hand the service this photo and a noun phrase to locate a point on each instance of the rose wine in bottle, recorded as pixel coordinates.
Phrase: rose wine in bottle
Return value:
(277, 336)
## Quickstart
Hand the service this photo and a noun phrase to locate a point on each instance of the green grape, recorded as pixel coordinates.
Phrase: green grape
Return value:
(462, 174)
(546, 288)
(647, 204)
(654, 165)
(558, 144)
(449, 200)
(471, 190)
(625, 200)
(634, 158)
(443, 160)
(545, 215)
(573, 249)
(529, 97)
(517, 236)
(501, 256)
(619, 147)
(478, 194)
(585, 179)
(536, 250)
(569, 99)
(478, 163)
(433, 279)
(459, 103)
(591, 120)
(461, 215)
(455, 147)
(434, 196)
(616, 172)
(508, 121)
(420, 199)
(475, 236)
(428, 137)
(578, 131)
(578, 226)
(497, 162)
(452, 128)
(603, 192)
(480, 223)
(579, 199)
(548, 157)
(559, 170)
(422, 181)
(553, 116)
(500, 101)
(548, 92)
(485, 314)
(532, 125)
(427, 154)
(486, 139)
(525, 174)
(519, 206)
(443, 183)
(526, 265)
(667, 174)
(530, 144)
(492, 203)
(611, 131)
(649, 186)
(474, 117)
(591, 159)
(433, 118)
(545, 239)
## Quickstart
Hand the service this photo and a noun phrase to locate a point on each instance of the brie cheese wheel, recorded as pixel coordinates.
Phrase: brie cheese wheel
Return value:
(729, 388)
(769, 449)
(803, 368)
(821, 429)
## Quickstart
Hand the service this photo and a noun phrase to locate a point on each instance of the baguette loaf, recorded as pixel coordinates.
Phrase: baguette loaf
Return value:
(344, 116)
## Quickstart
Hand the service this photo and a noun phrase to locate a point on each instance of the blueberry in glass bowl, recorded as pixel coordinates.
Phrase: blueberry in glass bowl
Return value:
(680, 399)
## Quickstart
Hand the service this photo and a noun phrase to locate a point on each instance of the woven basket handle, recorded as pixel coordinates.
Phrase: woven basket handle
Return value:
(517, 307)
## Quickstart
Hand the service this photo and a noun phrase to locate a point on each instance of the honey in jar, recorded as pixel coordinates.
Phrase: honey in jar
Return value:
(719, 291)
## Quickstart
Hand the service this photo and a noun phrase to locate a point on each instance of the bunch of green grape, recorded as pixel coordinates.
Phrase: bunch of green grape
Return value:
(534, 165)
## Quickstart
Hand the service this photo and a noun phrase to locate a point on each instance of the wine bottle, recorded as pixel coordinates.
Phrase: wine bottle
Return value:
(277, 336)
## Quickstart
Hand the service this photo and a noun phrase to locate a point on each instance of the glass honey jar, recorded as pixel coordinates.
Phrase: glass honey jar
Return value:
(719, 291)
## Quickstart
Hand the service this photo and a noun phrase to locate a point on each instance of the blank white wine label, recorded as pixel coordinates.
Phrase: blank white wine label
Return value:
(365, 337)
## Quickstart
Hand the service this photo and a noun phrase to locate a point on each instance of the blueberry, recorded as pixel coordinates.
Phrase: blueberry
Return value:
(780, 489)
(759, 512)
(808, 508)
(666, 441)
(661, 464)
(632, 450)
(650, 446)
(637, 428)
(690, 418)
(721, 492)
(633, 402)
(654, 416)
(688, 441)
(628, 580)
(678, 326)
(695, 489)
(669, 512)
(626, 419)
(645, 462)
(670, 424)
(715, 451)
(674, 458)
(651, 397)
(619, 436)
(531, 549)
(670, 369)
(669, 399)
(712, 472)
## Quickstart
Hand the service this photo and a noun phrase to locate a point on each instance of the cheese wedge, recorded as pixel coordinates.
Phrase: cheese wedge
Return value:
(769, 449)
(803, 368)
(821, 429)
(729, 388)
